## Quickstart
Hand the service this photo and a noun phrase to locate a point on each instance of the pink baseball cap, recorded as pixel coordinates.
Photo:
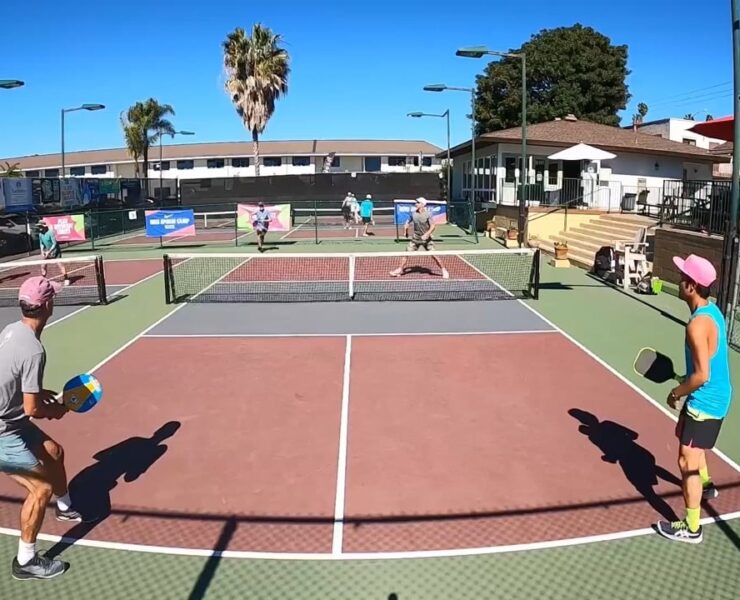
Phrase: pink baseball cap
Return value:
(697, 268)
(37, 290)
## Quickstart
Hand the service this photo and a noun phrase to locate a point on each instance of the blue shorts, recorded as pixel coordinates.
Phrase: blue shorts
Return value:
(16, 446)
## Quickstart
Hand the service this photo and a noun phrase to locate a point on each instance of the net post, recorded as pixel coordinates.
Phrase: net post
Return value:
(100, 278)
(236, 224)
(316, 218)
(351, 276)
(167, 266)
(536, 275)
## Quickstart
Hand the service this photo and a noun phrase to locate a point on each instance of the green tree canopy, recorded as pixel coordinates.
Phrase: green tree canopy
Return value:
(569, 70)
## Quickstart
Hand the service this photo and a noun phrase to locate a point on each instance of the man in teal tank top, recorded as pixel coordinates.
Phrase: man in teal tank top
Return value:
(707, 389)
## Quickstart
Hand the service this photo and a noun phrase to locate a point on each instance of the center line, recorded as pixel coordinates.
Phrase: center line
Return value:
(336, 545)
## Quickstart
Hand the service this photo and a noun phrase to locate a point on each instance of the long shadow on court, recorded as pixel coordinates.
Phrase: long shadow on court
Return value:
(90, 489)
(618, 446)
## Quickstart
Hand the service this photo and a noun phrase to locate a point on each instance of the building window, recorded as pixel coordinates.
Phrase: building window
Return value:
(397, 161)
(689, 142)
(33, 173)
(301, 161)
(426, 161)
(165, 166)
(51, 173)
(185, 164)
(240, 163)
(372, 163)
(272, 161)
(335, 162)
(215, 163)
(510, 166)
(99, 169)
(76, 171)
(552, 173)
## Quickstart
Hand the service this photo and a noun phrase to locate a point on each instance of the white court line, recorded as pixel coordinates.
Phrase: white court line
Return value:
(354, 334)
(609, 368)
(336, 544)
(292, 230)
(116, 293)
(453, 552)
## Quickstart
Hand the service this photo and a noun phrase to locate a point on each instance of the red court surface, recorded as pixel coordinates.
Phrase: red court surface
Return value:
(304, 232)
(200, 237)
(453, 441)
(128, 272)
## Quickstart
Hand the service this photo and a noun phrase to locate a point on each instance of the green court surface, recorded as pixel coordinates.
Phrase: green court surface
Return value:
(611, 324)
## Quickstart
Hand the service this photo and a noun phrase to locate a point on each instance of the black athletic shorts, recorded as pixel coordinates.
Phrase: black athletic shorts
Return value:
(367, 220)
(697, 434)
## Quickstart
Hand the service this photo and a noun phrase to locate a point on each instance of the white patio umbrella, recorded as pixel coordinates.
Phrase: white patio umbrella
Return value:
(582, 152)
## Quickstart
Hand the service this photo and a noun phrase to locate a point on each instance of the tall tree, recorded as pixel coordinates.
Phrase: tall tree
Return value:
(135, 141)
(572, 70)
(257, 70)
(146, 121)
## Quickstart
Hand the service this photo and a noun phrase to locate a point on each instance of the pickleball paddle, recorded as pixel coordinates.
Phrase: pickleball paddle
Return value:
(81, 393)
(655, 366)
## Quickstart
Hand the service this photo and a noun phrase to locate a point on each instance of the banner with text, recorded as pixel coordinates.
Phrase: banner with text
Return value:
(167, 223)
(67, 228)
(403, 210)
(18, 193)
(279, 217)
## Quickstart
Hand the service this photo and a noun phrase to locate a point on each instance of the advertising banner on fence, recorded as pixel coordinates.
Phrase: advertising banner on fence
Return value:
(279, 217)
(166, 223)
(18, 193)
(67, 228)
(404, 208)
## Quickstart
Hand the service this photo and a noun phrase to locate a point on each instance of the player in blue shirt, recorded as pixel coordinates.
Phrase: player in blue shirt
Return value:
(366, 212)
(50, 249)
(708, 392)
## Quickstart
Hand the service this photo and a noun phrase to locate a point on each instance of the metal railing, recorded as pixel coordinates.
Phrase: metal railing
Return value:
(696, 205)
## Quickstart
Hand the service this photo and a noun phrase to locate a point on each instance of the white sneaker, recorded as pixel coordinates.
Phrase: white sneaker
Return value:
(445, 274)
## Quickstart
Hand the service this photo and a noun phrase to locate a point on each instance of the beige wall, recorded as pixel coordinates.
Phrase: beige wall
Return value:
(543, 225)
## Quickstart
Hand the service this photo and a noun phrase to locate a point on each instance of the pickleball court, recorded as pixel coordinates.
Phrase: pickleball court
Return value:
(364, 427)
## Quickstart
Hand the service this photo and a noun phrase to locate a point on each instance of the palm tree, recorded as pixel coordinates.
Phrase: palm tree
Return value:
(257, 75)
(134, 141)
(147, 121)
(13, 170)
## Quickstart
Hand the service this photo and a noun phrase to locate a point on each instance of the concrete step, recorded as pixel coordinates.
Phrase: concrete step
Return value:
(574, 255)
(637, 220)
(575, 248)
(575, 242)
(614, 232)
(589, 236)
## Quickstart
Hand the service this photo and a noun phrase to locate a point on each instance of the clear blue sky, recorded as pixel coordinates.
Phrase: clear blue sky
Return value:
(357, 67)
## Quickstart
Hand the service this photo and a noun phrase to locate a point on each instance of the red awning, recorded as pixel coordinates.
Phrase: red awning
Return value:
(721, 129)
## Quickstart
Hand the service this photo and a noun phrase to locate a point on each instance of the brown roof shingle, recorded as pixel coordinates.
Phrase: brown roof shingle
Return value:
(231, 149)
(568, 132)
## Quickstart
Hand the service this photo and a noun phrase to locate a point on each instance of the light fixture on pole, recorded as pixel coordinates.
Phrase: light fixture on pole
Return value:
(160, 155)
(88, 107)
(441, 87)
(480, 52)
(9, 84)
(418, 115)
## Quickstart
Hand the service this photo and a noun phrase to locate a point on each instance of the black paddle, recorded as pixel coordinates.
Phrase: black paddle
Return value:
(655, 367)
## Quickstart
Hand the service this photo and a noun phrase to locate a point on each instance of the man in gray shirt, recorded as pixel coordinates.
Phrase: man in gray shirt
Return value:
(423, 227)
(27, 455)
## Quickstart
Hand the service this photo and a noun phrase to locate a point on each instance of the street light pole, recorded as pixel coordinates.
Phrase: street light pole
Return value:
(480, 52)
(88, 107)
(160, 156)
(440, 87)
(445, 114)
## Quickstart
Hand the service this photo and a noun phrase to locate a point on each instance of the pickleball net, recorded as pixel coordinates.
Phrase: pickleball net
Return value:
(334, 217)
(494, 274)
(86, 279)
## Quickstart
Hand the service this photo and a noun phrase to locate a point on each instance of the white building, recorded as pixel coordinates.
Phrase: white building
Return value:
(235, 159)
(643, 163)
(677, 130)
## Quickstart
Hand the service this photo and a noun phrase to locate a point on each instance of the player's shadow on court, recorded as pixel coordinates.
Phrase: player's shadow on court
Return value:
(90, 489)
(618, 446)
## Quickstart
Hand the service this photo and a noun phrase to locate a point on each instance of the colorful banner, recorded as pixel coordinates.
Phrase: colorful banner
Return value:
(404, 209)
(109, 186)
(69, 191)
(167, 223)
(67, 228)
(279, 217)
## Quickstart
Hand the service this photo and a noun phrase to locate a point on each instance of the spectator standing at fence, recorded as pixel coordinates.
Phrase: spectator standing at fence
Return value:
(347, 210)
(366, 212)
(355, 210)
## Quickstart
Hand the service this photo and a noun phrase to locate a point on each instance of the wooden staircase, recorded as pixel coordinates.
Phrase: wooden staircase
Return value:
(603, 230)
